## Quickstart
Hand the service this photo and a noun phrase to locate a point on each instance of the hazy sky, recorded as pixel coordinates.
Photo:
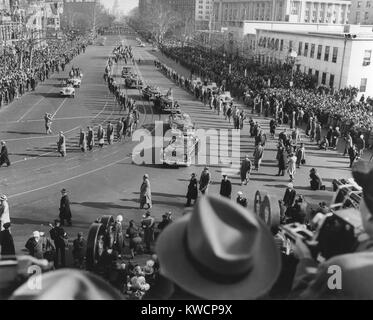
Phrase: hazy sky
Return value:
(125, 5)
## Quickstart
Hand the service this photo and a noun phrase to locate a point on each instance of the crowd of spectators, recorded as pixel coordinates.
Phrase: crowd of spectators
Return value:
(246, 80)
(22, 70)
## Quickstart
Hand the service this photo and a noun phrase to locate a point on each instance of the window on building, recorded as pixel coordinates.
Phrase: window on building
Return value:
(366, 15)
(331, 81)
(310, 71)
(357, 18)
(326, 55)
(367, 56)
(359, 4)
(323, 78)
(300, 48)
(317, 75)
(363, 84)
(305, 53)
(281, 45)
(319, 51)
(312, 53)
(368, 4)
(290, 45)
(335, 54)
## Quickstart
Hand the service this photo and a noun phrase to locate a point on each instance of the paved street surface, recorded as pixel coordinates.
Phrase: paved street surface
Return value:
(106, 181)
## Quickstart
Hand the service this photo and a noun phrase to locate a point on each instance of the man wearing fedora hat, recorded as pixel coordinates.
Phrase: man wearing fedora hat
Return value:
(220, 251)
(313, 282)
(145, 193)
(61, 144)
(225, 187)
(59, 236)
(204, 181)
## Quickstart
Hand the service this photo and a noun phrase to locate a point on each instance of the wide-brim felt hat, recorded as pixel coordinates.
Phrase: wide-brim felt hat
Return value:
(219, 251)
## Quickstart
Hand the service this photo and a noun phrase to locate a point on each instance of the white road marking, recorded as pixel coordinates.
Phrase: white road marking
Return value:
(53, 136)
(60, 106)
(34, 105)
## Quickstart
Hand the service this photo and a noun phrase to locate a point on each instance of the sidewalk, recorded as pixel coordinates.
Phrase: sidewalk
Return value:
(368, 154)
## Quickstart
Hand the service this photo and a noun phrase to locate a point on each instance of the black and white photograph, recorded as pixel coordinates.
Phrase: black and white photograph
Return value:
(182, 150)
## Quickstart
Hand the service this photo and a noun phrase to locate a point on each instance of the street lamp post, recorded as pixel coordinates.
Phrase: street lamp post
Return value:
(292, 56)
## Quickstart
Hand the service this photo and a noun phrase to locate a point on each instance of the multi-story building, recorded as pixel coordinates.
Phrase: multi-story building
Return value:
(185, 8)
(307, 11)
(337, 60)
(361, 12)
(204, 10)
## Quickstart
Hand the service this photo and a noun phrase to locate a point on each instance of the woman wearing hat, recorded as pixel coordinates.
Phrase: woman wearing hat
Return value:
(145, 193)
(192, 193)
(6, 241)
(4, 157)
(4, 212)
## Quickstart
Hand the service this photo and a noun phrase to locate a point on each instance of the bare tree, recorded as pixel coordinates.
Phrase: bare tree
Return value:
(162, 19)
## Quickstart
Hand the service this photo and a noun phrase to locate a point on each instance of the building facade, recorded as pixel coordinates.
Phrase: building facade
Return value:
(337, 60)
(361, 12)
(301, 11)
(203, 16)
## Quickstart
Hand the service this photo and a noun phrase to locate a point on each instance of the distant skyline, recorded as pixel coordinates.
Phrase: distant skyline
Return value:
(124, 5)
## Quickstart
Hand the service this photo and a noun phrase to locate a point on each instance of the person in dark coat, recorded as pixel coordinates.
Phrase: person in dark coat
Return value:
(281, 161)
(289, 195)
(241, 200)
(272, 127)
(204, 181)
(4, 157)
(34, 246)
(148, 224)
(316, 181)
(59, 236)
(225, 187)
(65, 212)
(6, 241)
(353, 154)
(79, 248)
(245, 170)
(118, 235)
(301, 154)
(192, 193)
(90, 138)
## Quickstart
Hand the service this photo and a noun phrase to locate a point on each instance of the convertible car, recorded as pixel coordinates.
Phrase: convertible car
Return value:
(67, 90)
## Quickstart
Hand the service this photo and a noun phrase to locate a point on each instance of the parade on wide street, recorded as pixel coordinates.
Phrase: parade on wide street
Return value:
(156, 165)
